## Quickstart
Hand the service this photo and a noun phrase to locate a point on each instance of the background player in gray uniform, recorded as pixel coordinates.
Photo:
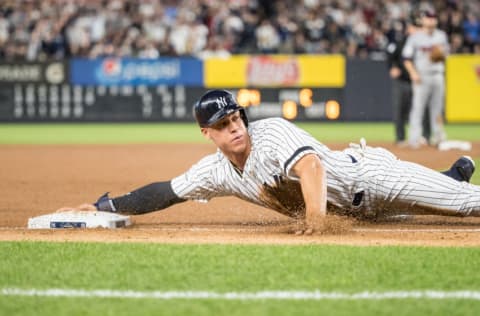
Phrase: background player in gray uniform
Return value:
(424, 54)
(275, 164)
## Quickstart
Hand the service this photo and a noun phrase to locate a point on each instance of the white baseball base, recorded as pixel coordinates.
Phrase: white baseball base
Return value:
(79, 219)
(455, 144)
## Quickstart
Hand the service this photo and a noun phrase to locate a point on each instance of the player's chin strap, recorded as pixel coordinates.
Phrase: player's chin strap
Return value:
(104, 203)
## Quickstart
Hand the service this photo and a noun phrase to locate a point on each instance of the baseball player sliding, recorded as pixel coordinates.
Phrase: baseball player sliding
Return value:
(275, 164)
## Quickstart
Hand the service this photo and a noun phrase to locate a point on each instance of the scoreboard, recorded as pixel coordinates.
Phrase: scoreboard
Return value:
(23, 102)
(290, 103)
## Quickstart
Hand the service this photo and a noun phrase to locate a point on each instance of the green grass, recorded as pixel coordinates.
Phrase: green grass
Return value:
(99, 133)
(74, 306)
(189, 133)
(476, 175)
(223, 268)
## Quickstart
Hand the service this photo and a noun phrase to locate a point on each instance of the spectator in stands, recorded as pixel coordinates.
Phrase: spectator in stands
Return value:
(287, 28)
(56, 29)
(214, 49)
(267, 38)
(471, 29)
(313, 27)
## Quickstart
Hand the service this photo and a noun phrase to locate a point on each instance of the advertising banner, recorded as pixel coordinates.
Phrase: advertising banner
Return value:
(226, 72)
(33, 72)
(326, 71)
(135, 72)
(463, 88)
(283, 71)
(322, 71)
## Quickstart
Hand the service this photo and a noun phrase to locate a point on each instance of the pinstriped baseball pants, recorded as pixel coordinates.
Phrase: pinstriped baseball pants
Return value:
(393, 186)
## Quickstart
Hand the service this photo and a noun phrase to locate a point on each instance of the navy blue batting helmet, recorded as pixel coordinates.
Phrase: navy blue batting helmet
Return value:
(214, 105)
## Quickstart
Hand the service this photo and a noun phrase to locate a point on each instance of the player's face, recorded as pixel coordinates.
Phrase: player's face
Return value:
(229, 134)
(429, 22)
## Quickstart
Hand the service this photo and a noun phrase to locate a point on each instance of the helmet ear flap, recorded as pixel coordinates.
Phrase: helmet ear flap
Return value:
(243, 115)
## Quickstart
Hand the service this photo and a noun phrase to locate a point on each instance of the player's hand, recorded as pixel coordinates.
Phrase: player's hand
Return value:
(310, 225)
(395, 72)
(306, 230)
(415, 77)
(82, 207)
(299, 227)
(328, 224)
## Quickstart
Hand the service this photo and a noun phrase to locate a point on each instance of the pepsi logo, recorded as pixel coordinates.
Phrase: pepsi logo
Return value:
(111, 66)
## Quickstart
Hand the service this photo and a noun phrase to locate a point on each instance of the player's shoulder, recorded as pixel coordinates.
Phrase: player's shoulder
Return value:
(272, 122)
(440, 33)
(421, 35)
(272, 128)
(211, 161)
(415, 36)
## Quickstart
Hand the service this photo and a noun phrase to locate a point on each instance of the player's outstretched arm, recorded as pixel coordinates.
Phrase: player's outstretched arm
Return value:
(314, 189)
(152, 197)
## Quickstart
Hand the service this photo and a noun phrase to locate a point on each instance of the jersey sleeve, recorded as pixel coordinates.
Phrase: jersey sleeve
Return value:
(446, 45)
(408, 49)
(291, 144)
(198, 183)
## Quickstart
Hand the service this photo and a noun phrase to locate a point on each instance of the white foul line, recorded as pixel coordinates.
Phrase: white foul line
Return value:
(417, 230)
(262, 295)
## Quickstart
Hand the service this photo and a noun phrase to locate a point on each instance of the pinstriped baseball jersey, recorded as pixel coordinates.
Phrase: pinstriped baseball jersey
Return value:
(268, 179)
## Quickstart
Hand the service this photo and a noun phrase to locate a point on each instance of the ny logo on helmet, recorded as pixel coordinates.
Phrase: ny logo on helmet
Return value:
(222, 101)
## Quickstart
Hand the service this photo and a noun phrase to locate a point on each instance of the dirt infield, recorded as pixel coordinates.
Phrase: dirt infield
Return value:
(40, 179)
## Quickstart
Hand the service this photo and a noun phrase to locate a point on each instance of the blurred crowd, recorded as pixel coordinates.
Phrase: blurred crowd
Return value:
(56, 29)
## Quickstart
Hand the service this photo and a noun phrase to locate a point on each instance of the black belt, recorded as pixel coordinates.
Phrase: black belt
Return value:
(358, 197)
